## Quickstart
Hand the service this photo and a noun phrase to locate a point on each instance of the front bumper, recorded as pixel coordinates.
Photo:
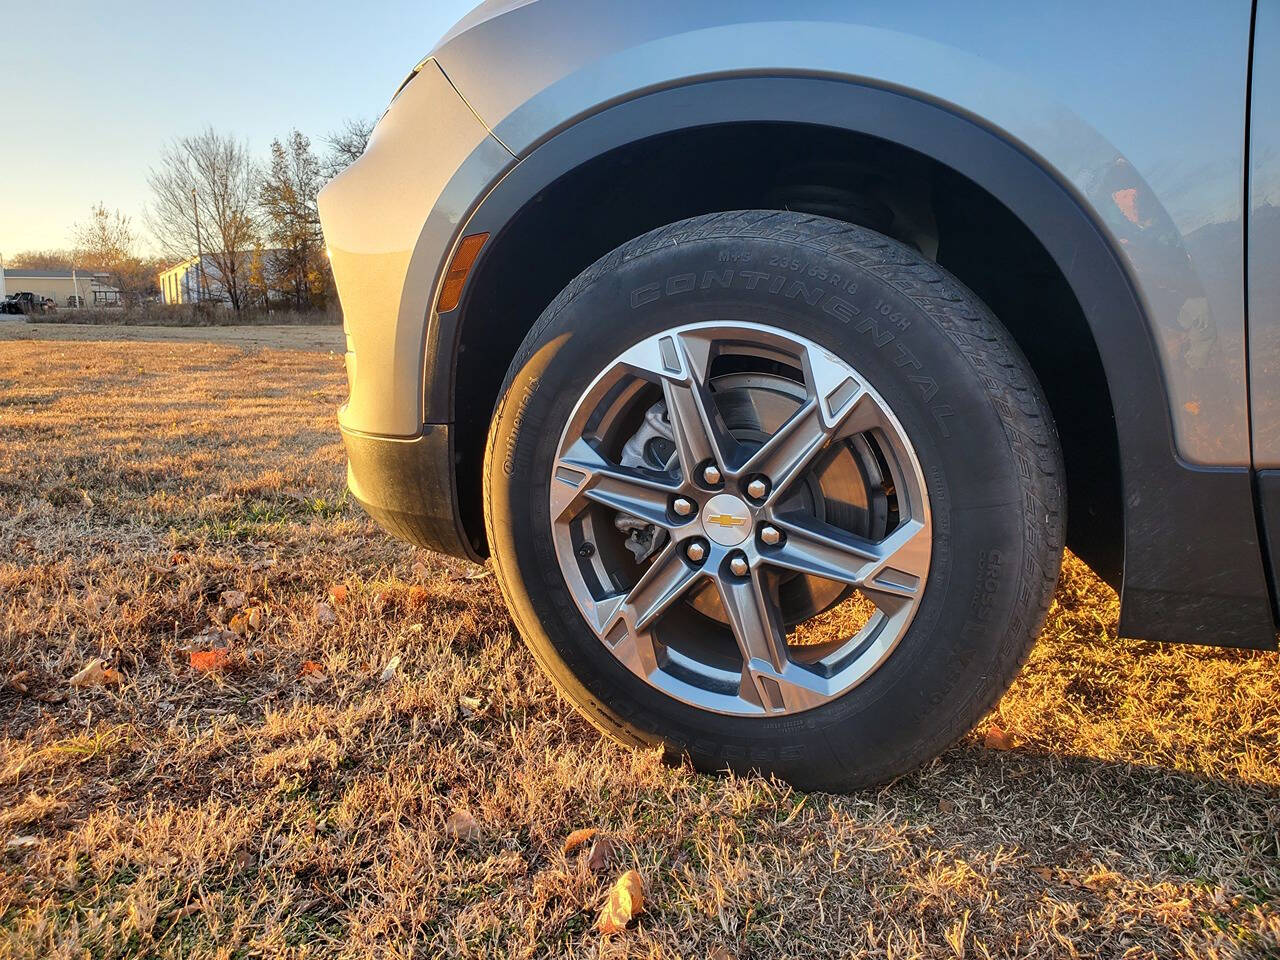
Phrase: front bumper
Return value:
(391, 221)
(407, 486)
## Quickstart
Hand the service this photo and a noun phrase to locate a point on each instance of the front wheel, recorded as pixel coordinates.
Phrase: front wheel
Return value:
(778, 493)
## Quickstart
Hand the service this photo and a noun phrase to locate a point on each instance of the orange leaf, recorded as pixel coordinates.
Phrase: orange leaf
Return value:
(338, 593)
(205, 660)
(95, 673)
(997, 739)
(578, 838)
(417, 595)
(626, 900)
(310, 668)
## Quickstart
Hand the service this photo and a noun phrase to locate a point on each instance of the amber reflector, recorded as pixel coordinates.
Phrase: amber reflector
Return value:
(463, 260)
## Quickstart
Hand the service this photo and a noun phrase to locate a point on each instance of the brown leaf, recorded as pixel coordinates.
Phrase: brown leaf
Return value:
(206, 660)
(1044, 873)
(462, 826)
(721, 953)
(947, 806)
(626, 900)
(577, 839)
(95, 673)
(997, 739)
(601, 854)
(234, 599)
(18, 681)
(417, 595)
(420, 570)
(188, 910)
(310, 668)
(338, 593)
(325, 614)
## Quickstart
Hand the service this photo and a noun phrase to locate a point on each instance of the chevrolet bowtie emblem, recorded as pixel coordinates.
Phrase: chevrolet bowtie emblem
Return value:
(726, 520)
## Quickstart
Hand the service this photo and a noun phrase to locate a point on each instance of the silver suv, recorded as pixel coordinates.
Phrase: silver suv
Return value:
(774, 353)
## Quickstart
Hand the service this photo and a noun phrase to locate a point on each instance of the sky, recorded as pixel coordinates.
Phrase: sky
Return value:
(93, 91)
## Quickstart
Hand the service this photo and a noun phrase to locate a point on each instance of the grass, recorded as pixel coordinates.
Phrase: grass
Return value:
(294, 804)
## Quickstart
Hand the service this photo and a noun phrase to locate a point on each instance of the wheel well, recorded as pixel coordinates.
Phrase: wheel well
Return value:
(628, 191)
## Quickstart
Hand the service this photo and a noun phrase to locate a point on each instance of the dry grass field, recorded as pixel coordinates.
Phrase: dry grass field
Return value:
(293, 714)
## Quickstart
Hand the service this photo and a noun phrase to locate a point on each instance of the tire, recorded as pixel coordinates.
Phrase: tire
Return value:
(976, 426)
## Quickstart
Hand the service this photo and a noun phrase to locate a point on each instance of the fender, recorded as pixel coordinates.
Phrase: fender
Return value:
(1193, 568)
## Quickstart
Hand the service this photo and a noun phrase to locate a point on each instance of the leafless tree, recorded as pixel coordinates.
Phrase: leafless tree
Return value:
(213, 173)
(346, 146)
(107, 243)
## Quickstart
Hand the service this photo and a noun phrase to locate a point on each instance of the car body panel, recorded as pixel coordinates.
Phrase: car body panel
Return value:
(1142, 114)
(1146, 192)
(1264, 238)
(388, 222)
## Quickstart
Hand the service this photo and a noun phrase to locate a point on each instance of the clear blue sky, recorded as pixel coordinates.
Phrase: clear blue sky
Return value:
(92, 91)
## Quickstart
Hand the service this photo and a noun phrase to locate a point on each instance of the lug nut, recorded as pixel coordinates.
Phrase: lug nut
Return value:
(757, 488)
(711, 474)
(696, 551)
(682, 506)
(739, 566)
(770, 535)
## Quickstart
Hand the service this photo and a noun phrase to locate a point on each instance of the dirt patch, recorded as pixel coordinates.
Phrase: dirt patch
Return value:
(298, 793)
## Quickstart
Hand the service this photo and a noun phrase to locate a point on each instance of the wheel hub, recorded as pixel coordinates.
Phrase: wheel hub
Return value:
(815, 492)
(726, 520)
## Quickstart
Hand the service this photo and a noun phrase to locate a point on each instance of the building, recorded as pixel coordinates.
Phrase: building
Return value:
(63, 286)
(182, 282)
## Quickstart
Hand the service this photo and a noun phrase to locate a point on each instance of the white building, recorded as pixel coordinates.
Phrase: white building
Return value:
(62, 286)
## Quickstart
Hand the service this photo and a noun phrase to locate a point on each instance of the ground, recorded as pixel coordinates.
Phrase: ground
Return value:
(295, 719)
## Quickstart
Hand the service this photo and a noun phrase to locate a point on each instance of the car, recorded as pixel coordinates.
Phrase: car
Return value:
(26, 302)
(774, 360)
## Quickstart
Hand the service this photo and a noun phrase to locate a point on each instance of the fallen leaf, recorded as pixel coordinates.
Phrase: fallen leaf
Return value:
(338, 593)
(417, 595)
(325, 614)
(1044, 873)
(721, 953)
(389, 671)
(947, 806)
(601, 854)
(206, 660)
(420, 571)
(578, 838)
(177, 558)
(18, 681)
(264, 564)
(997, 739)
(18, 843)
(471, 705)
(310, 668)
(186, 911)
(95, 673)
(461, 825)
(477, 574)
(254, 618)
(234, 599)
(626, 900)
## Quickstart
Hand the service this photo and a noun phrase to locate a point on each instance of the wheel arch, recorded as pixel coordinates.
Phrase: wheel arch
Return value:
(1138, 544)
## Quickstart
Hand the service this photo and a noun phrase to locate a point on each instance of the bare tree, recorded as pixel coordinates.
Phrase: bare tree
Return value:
(287, 196)
(346, 146)
(213, 174)
(107, 243)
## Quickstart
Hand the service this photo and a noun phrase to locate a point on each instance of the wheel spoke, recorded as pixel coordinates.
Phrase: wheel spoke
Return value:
(583, 474)
(789, 452)
(891, 572)
(681, 363)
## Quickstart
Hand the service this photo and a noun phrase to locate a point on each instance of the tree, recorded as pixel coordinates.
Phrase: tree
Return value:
(106, 243)
(213, 173)
(346, 146)
(287, 197)
(43, 259)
